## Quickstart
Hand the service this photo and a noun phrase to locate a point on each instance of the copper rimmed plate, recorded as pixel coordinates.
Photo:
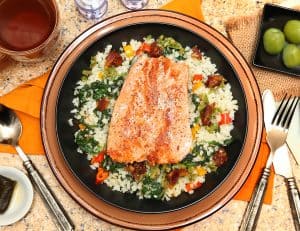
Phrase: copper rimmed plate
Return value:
(72, 169)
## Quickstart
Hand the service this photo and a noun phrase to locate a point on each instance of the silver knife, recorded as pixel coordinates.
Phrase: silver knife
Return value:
(282, 166)
(281, 160)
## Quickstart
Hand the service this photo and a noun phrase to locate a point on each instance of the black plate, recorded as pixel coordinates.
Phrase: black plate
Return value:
(78, 163)
(274, 16)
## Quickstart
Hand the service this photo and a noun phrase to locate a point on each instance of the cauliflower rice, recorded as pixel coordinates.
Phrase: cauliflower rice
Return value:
(100, 82)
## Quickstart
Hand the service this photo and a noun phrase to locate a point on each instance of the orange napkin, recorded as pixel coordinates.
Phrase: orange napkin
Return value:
(26, 100)
(248, 187)
(190, 7)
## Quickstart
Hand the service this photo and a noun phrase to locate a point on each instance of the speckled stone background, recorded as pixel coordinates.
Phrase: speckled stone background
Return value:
(273, 217)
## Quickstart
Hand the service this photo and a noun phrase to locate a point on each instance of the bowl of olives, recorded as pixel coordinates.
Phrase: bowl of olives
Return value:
(278, 47)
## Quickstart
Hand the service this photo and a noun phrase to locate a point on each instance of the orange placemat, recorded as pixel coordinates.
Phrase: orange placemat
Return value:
(26, 100)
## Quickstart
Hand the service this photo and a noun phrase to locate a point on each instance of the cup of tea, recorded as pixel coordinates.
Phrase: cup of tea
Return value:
(28, 29)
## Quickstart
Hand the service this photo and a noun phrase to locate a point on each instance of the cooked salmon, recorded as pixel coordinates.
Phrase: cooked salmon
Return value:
(150, 120)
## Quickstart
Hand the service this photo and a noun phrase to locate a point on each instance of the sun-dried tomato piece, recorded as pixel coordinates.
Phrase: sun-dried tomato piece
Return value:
(113, 59)
(220, 157)
(137, 169)
(214, 81)
(206, 114)
(196, 53)
(173, 176)
(155, 50)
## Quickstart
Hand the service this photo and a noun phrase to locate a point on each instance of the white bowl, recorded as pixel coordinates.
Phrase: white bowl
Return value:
(22, 196)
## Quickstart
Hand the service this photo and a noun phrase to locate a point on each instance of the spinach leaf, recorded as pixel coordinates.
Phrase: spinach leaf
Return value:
(152, 188)
(86, 142)
(188, 161)
(109, 165)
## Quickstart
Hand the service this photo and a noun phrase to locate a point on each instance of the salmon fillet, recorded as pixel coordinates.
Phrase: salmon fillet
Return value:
(150, 120)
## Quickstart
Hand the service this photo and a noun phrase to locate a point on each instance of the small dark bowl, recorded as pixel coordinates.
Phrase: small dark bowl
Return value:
(72, 169)
(274, 16)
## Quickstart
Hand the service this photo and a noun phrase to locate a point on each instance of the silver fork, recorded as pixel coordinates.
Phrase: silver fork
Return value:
(276, 137)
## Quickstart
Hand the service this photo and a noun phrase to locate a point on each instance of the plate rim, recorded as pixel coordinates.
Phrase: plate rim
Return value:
(109, 26)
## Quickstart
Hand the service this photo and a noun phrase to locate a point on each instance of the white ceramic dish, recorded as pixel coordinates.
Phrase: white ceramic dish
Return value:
(21, 199)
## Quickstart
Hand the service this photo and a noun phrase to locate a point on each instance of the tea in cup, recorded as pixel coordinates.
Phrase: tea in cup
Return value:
(28, 29)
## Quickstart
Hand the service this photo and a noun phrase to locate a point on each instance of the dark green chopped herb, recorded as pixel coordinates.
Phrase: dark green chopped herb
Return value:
(106, 114)
(152, 189)
(104, 89)
(196, 120)
(109, 165)
(205, 157)
(196, 101)
(86, 142)
(181, 57)
(83, 94)
(188, 160)
(99, 89)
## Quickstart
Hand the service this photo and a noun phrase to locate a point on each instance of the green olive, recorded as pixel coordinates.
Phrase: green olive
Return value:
(292, 31)
(291, 56)
(273, 40)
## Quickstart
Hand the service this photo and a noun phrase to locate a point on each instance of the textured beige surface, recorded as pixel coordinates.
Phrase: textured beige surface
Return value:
(279, 83)
(273, 217)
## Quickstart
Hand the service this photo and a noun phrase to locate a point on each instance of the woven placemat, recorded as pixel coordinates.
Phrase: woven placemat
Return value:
(243, 32)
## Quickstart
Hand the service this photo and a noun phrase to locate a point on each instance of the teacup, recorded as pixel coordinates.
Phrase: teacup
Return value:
(28, 29)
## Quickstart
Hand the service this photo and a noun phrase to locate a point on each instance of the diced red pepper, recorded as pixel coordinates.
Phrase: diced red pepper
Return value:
(191, 186)
(225, 118)
(102, 104)
(197, 77)
(188, 187)
(99, 158)
(145, 47)
(101, 175)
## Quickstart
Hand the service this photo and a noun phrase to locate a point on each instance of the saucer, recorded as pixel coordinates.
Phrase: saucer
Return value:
(22, 196)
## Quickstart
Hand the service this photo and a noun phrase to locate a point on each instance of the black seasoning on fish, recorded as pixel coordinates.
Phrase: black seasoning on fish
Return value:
(6, 190)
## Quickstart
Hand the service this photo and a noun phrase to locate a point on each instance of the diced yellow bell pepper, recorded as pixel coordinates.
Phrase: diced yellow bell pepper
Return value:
(81, 126)
(195, 129)
(201, 171)
(129, 52)
(100, 75)
(196, 85)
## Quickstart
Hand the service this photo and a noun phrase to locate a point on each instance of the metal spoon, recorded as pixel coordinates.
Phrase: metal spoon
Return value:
(10, 132)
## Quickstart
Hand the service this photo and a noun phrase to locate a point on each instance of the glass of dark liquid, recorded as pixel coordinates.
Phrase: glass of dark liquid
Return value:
(28, 29)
